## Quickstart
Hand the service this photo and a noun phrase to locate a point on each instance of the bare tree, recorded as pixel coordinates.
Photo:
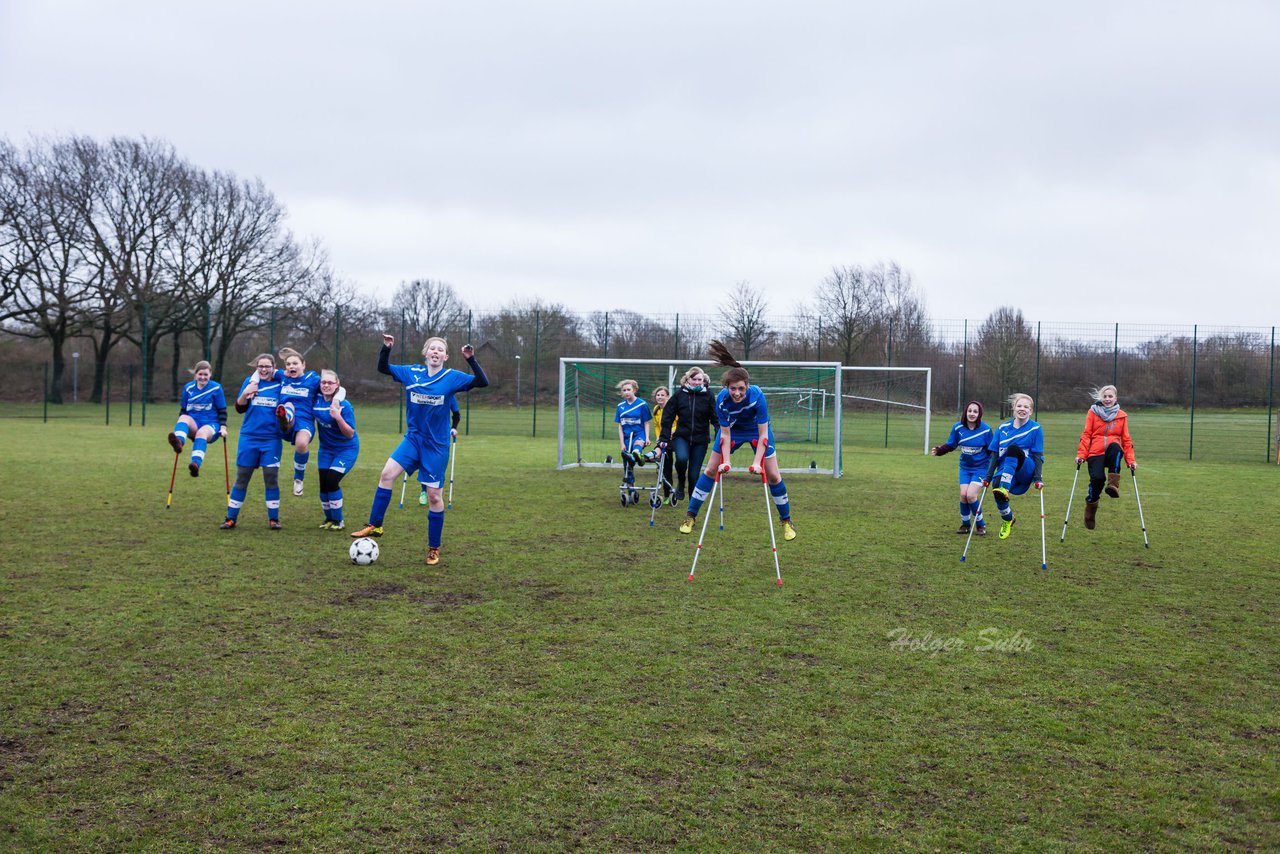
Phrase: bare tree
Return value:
(428, 306)
(51, 277)
(744, 319)
(1006, 349)
(853, 303)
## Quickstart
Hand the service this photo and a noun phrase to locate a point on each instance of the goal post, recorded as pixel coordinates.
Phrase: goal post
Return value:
(886, 407)
(801, 396)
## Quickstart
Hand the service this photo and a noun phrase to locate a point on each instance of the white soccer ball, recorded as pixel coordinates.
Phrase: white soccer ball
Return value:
(364, 551)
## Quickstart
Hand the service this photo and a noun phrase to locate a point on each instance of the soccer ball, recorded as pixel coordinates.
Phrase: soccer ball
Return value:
(364, 551)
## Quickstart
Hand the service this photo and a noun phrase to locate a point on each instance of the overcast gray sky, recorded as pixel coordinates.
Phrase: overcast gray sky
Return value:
(1084, 161)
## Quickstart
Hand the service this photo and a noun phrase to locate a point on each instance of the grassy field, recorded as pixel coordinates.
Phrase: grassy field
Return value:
(557, 683)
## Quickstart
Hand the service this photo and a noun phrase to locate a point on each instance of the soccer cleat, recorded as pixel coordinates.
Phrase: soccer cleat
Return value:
(175, 443)
(282, 418)
(686, 527)
(637, 458)
(963, 529)
(326, 524)
(228, 524)
(194, 468)
(433, 555)
(788, 530)
(337, 526)
(1006, 526)
(1001, 493)
(422, 498)
(369, 530)
(297, 487)
(274, 524)
(982, 531)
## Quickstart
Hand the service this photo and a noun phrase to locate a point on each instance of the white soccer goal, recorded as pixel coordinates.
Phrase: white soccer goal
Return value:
(886, 407)
(801, 398)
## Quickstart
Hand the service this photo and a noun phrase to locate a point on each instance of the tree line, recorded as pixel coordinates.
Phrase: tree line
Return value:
(123, 243)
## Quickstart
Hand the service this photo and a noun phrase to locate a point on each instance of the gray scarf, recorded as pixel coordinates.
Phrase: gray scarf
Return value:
(1106, 413)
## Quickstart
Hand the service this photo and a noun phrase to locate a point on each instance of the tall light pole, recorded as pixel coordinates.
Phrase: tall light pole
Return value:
(960, 389)
(517, 381)
(75, 377)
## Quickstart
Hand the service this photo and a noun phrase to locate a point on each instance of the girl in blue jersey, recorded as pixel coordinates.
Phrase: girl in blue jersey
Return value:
(632, 417)
(259, 445)
(427, 389)
(299, 391)
(202, 410)
(972, 437)
(744, 418)
(335, 422)
(1017, 459)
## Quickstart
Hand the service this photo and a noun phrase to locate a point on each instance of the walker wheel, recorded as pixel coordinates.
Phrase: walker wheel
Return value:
(655, 502)
(623, 498)
(635, 497)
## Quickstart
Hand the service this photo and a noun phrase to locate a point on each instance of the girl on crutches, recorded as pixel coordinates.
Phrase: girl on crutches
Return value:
(971, 436)
(1103, 443)
(1017, 459)
(744, 419)
(202, 412)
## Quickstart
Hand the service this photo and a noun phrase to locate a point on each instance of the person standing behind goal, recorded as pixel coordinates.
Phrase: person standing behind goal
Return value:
(744, 419)
(427, 389)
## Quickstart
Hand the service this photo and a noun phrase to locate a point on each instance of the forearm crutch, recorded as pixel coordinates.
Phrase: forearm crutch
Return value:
(168, 501)
(403, 484)
(1138, 498)
(453, 464)
(977, 515)
(1069, 500)
(768, 512)
(1044, 553)
(698, 549)
(226, 470)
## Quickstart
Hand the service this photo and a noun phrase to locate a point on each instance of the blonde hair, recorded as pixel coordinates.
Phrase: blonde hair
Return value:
(622, 383)
(327, 374)
(427, 343)
(1018, 395)
(691, 373)
(258, 358)
(1096, 393)
(286, 352)
(202, 365)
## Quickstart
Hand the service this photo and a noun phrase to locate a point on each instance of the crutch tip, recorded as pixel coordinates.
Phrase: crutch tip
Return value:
(779, 582)
(962, 558)
(1044, 566)
(691, 576)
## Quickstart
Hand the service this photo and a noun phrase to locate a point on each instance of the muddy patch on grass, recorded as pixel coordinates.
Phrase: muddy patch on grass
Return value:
(375, 591)
(446, 601)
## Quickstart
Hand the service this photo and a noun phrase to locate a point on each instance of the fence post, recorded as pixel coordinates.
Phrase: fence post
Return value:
(1191, 440)
(208, 333)
(131, 395)
(337, 339)
(964, 372)
(675, 350)
(1115, 356)
(1271, 386)
(107, 402)
(400, 398)
(467, 428)
(46, 393)
(1037, 412)
(889, 382)
(820, 341)
(537, 351)
(604, 376)
(146, 374)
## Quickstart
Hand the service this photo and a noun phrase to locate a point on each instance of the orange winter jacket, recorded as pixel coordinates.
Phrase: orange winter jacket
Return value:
(1098, 434)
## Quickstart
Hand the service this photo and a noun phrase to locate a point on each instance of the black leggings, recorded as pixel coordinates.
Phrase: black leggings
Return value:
(270, 477)
(330, 480)
(1107, 461)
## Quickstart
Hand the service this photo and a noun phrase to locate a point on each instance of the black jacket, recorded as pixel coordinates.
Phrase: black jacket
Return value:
(695, 411)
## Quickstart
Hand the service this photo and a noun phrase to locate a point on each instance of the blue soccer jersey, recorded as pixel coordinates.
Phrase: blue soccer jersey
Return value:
(260, 419)
(427, 406)
(973, 444)
(327, 431)
(302, 392)
(1029, 437)
(632, 417)
(203, 404)
(744, 419)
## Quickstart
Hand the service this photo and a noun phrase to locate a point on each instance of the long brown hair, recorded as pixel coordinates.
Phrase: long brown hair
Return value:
(721, 356)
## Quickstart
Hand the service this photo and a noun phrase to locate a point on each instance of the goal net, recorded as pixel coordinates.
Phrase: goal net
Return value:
(801, 396)
(886, 407)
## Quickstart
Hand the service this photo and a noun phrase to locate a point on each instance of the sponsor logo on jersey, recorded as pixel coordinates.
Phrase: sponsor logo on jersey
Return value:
(426, 399)
(295, 390)
(264, 401)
